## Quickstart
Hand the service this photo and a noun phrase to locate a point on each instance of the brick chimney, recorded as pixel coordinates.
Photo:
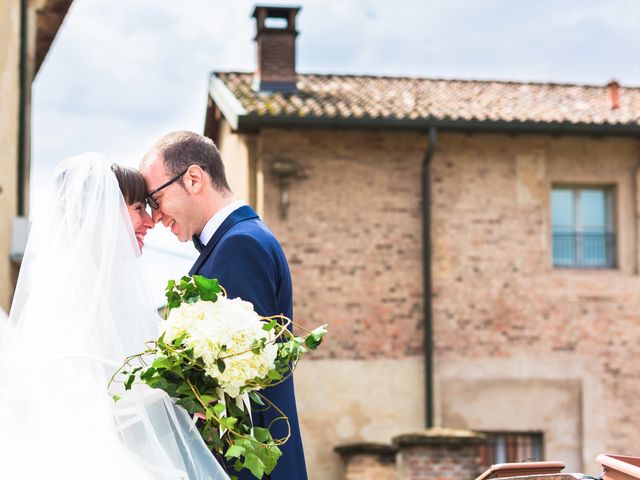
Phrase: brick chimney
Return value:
(614, 94)
(276, 43)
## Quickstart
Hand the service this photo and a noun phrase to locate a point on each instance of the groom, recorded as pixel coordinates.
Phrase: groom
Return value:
(188, 192)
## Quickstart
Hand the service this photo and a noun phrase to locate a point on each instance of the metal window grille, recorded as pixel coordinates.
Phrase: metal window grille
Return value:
(584, 250)
(511, 447)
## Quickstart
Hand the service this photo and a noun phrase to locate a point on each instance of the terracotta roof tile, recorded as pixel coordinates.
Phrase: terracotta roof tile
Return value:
(355, 96)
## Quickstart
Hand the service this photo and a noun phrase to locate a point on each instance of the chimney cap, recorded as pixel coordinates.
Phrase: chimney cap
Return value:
(275, 11)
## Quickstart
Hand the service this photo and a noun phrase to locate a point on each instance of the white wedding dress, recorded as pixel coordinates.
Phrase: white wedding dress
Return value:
(80, 307)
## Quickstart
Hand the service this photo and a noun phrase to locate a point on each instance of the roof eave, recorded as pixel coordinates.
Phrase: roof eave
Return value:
(229, 105)
(253, 122)
(50, 14)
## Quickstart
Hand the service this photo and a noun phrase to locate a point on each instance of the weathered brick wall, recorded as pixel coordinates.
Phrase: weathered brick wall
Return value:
(368, 467)
(438, 454)
(354, 243)
(496, 292)
(353, 237)
(438, 463)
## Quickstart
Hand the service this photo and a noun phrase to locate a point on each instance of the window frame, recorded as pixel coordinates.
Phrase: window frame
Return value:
(535, 437)
(610, 195)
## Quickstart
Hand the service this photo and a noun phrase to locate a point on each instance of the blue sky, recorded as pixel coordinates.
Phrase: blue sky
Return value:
(121, 73)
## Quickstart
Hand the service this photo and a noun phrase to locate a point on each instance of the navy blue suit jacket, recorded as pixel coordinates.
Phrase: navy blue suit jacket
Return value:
(248, 261)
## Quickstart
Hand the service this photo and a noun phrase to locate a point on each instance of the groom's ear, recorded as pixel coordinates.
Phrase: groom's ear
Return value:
(195, 179)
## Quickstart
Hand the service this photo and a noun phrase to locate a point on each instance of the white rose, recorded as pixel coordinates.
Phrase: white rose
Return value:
(224, 329)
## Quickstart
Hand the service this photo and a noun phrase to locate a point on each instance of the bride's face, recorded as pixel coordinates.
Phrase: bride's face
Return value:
(141, 221)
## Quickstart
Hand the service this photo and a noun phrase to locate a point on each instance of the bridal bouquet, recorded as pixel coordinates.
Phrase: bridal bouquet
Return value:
(213, 356)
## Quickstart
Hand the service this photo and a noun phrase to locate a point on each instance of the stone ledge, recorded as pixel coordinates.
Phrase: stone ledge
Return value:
(522, 469)
(551, 476)
(366, 448)
(438, 436)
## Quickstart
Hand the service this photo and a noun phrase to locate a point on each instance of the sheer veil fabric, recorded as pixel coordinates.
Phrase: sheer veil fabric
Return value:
(81, 306)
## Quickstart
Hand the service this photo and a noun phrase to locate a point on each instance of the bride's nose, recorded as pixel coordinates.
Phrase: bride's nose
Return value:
(147, 221)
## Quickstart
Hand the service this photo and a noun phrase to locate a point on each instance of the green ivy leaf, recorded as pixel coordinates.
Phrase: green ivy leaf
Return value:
(208, 398)
(148, 373)
(254, 464)
(218, 408)
(192, 298)
(313, 341)
(129, 382)
(257, 346)
(201, 281)
(228, 422)
(208, 288)
(163, 384)
(184, 389)
(216, 443)
(255, 396)
(268, 326)
(235, 451)
(262, 434)
(178, 371)
(190, 405)
(162, 362)
(179, 339)
(221, 365)
(269, 456)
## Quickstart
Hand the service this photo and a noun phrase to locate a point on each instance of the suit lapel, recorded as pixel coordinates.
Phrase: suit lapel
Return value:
(239, 215)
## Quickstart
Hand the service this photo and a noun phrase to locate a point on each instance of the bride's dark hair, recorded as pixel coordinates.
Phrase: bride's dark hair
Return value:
(131, 184)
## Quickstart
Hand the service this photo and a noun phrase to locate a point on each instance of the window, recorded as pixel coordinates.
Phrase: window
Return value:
(582, 226)
(510, 448)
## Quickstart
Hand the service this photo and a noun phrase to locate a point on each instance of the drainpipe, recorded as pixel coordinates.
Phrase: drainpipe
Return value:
(22, 133)
(636, 213)
(427, 287)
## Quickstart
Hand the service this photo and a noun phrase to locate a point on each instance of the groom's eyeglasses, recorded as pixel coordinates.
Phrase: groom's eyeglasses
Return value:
(152, 202)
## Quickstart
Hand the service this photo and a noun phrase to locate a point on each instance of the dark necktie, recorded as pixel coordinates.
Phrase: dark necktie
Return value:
(197, 243)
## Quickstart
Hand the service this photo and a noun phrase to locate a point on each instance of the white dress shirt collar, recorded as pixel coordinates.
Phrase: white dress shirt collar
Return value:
(214, 222)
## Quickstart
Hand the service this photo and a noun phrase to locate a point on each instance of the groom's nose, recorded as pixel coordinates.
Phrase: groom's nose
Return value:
(156, 215)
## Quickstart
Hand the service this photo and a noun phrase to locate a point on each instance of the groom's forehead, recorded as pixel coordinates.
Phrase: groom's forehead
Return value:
(155, 166)
(154, 172)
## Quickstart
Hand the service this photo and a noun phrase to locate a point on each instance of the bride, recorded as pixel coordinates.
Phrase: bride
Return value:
(81, 306)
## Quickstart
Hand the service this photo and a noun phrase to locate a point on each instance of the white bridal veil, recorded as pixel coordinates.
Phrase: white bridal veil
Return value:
(80, 307)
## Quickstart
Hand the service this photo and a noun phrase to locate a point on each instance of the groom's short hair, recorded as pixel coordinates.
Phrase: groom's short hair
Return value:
(179, 150)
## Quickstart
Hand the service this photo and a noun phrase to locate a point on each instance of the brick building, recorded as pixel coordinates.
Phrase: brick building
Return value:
(509, 304)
